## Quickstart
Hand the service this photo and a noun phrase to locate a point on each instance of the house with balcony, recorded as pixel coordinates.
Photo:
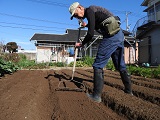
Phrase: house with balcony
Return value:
(147, 33)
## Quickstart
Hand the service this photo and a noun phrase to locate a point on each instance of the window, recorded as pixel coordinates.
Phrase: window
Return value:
(151, 11)
(158, 8)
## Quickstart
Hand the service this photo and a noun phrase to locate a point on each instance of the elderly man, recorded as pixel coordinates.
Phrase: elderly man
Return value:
(112, 44)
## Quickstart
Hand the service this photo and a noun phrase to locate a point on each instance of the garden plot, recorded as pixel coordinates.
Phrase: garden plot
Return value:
(32, 95)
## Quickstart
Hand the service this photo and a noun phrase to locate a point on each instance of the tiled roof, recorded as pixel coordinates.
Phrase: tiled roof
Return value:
(71, 35)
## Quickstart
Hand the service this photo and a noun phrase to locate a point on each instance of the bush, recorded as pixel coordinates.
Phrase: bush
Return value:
(138, 71)
(110, 65)
(84, 62)
(30, 64)
(88, 61)
(26, 63)
(10, 63)
(13, 57)
(156, 72)
(7, 67)
(22, 57)
(78, 64)
(59, 64)
(39, 66)
(145, 72)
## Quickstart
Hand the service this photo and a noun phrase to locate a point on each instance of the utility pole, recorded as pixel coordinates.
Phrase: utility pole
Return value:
(127, 26)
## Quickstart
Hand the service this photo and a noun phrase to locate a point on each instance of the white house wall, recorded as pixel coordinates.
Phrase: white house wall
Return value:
(46, 54)
(43, 54)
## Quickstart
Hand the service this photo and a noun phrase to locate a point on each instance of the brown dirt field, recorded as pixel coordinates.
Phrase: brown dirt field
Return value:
(33, 95)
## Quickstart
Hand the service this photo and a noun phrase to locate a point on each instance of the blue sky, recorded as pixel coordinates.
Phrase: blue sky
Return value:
(21, 19)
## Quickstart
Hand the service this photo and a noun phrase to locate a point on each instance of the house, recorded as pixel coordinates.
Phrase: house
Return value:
(60, 48)
(130, 48)
(56, 47)
(147, 33)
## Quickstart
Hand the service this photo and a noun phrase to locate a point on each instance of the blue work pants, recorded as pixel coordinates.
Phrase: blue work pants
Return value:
(111, 46)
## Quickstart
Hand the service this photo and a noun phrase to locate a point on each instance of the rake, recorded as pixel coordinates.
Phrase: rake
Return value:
(65, 88)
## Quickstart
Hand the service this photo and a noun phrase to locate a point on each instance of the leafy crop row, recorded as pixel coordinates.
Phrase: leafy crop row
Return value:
(145, 72)
(12, 62)
(7, 67)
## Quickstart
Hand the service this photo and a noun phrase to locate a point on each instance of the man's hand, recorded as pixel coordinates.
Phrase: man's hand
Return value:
(78, 44)
(82, 23)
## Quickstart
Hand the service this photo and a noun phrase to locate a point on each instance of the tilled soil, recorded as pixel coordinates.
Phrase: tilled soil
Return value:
(33, 95)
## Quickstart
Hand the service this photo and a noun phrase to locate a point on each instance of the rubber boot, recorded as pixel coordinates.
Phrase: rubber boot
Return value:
(97, 85)
(126, 79)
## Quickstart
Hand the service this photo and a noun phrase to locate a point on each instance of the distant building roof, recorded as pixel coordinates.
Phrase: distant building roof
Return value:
(145, 3)
(71, 36)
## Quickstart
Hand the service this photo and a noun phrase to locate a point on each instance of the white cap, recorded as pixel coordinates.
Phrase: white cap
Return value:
(72, 8)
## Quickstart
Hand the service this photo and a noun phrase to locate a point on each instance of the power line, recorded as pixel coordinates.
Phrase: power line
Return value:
(55, 4)
(124, 12)
(20, 35)
(32, 25)
(50, 3)
(28, 28)
(67, 5)
(41, 20)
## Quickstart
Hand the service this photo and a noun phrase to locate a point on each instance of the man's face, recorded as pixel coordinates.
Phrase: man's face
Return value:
(79, 12)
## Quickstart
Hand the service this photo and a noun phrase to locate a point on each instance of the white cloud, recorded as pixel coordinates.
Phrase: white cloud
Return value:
(24, 43)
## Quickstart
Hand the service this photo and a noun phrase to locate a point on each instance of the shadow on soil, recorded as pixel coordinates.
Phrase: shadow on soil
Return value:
(62, 77)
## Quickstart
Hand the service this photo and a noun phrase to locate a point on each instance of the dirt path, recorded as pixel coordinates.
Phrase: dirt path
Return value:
(31, 95)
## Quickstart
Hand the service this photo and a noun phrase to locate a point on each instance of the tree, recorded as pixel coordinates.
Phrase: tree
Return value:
(12, 47)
